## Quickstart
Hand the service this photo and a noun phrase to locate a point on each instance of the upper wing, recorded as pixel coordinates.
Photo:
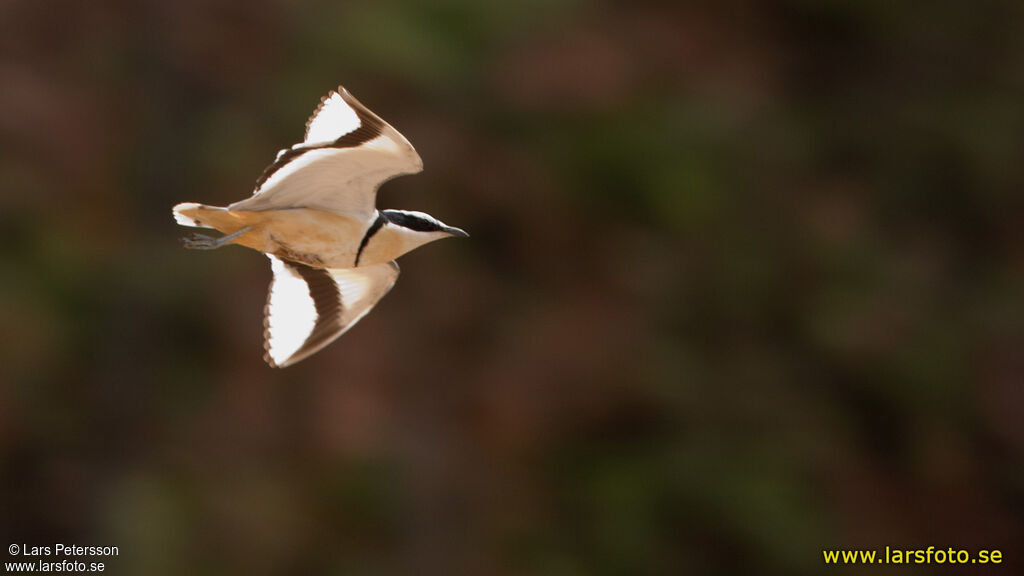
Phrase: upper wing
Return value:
(348, 152)
(308, 308)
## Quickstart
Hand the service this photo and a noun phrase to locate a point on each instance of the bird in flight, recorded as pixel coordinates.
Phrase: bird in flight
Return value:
(313, 213)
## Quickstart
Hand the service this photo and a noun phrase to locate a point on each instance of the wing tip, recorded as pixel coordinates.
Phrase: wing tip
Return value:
(343, 92)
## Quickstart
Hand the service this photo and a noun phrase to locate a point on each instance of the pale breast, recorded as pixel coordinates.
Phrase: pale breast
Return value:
(320, 239)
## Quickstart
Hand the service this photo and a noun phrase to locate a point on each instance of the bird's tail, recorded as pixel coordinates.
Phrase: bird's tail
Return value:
(195, 215)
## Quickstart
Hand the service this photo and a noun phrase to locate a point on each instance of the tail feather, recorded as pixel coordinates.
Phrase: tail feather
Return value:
(188, 214)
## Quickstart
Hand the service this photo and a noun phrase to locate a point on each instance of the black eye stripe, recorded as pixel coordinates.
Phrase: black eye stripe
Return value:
(410, 221)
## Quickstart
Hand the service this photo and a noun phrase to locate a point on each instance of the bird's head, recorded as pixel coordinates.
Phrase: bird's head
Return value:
(421, 223)
(398, 231)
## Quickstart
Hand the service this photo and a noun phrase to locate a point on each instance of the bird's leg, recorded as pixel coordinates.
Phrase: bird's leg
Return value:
(203, 242)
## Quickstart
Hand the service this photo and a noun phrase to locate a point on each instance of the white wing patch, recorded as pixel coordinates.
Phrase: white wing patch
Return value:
(290, 314)
(308, 308)
(331, 120)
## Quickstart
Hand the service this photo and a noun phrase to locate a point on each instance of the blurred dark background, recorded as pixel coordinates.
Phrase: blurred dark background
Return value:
(745, 282)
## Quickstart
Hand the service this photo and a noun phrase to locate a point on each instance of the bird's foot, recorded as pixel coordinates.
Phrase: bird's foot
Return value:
(201, 242)
(204, 242)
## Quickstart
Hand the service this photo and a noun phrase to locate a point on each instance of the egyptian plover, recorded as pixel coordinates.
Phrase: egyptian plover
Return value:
(313, 213)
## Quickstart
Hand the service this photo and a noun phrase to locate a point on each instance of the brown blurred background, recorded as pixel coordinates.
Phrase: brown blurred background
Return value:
(745, 281)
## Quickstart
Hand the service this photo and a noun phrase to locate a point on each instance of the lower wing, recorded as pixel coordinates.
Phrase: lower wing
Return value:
(308, 308)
